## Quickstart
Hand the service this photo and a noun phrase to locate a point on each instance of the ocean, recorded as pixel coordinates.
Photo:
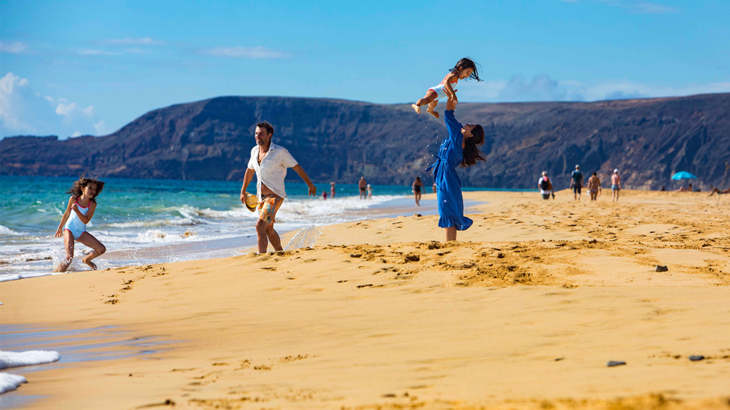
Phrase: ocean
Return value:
(158, 221)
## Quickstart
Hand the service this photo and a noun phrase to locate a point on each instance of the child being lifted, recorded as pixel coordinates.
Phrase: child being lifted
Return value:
(464, 69)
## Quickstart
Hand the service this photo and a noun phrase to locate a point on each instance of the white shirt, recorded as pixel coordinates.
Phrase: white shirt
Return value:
(272, 169)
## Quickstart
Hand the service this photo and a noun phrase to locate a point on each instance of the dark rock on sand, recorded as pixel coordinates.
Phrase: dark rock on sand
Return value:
(614, 363)
(696, 358)
(661, 268)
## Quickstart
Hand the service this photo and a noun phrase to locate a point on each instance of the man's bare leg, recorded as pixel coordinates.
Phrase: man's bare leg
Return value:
(261, 232)
(274, 238)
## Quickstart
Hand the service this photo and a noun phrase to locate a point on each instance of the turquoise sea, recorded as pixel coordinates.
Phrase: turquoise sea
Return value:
(154, 221)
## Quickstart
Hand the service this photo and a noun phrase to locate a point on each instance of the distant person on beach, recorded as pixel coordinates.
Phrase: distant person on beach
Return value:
(80, 210)
(332, 190)
(269, 162)
(363, 185)
(687, 189)
(434, 187)
(594, 186)
(464, 69)
(717, 191)
(324, 195)
(417, 188)
(545, 186)
(461, 147)
(576, 182)
(370, 191)
(615, 185)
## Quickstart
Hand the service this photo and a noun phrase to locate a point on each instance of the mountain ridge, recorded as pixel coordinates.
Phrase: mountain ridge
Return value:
(340, 140)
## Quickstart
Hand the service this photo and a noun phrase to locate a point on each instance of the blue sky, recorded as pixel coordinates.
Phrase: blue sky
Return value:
(90, 67)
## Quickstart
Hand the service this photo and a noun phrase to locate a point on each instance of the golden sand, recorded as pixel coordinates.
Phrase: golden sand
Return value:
(523, 312)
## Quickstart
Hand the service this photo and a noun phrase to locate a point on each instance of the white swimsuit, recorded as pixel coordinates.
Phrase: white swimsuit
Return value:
(74, 224)
(440, 90)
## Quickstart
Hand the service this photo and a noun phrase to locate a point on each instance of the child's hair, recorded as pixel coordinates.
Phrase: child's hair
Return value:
(464, 64)
(471, 147)
(78, 188)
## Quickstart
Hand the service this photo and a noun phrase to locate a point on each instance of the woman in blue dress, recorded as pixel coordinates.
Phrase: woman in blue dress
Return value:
(460, 148)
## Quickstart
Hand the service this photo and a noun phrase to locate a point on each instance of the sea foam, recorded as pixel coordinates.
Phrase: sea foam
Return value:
(28, 358)
(10, 382)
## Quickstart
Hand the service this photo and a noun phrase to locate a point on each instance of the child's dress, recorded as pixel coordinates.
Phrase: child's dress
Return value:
(448, 184)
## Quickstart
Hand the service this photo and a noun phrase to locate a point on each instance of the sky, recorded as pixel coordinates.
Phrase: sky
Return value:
(71, 68)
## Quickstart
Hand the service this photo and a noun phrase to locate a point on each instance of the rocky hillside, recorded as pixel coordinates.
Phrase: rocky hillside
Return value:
(338, 140)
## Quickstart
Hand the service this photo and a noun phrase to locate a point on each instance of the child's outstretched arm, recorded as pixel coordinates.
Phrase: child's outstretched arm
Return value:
(64, 218)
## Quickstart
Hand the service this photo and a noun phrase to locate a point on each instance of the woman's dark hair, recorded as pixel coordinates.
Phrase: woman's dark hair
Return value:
(471, 147)
(418, 179)
(78, 188)
(464, 64)
(269, 127)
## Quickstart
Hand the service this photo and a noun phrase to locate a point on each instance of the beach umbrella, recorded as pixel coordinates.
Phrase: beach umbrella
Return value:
(683, 175)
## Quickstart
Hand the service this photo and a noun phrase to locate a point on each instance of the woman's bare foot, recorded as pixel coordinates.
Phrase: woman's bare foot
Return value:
(432, 112)
(417, 108)
(91, 264)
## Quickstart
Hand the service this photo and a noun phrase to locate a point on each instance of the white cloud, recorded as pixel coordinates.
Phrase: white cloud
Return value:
(76, 134)
(14, 48)
(243, 52)
(146, 41)
(23, 112)
(544, 88)
(136, 50)
(90, 52)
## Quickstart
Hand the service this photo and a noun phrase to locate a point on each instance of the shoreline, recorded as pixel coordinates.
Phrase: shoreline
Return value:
(381, 313)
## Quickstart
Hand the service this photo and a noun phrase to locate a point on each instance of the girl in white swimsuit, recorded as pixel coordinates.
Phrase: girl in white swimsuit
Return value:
(464, 69)
(80, 210)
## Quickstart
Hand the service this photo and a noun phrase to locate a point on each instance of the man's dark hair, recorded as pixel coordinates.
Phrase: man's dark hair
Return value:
(594, 174)
(269, 127)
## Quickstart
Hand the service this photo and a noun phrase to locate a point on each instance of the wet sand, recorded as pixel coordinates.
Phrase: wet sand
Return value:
(524, 312)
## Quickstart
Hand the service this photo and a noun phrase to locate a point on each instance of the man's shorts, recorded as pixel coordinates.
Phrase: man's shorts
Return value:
(268, 207)
(576, 189)
(615, 187)
(545, 196)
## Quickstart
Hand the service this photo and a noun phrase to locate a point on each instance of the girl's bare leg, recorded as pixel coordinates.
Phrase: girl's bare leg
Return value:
(68, 240)
(430, 96)
(431, 106)
(93, 243)
(450, 233)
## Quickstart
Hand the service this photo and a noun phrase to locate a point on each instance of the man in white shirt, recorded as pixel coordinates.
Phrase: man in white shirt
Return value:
(269, 162)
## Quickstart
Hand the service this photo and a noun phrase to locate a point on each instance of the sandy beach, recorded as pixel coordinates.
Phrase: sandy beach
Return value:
(523, 312)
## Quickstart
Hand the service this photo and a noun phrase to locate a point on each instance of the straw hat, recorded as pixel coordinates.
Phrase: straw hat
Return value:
(251, 202)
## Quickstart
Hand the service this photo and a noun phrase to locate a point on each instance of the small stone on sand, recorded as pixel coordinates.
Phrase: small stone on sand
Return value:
(614, 363)
(696, 358)
(661, 268)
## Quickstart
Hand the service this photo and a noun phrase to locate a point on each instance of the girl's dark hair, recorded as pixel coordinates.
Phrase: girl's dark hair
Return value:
(471, 147)
(464, 64)
(78, 188)
(418, 179)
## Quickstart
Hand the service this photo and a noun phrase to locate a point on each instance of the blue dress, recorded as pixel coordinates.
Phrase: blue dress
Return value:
(448, 184)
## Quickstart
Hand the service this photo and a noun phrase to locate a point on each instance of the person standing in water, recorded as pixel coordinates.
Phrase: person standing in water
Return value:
(363, 185)
(417, 188)
(332, 190)
(80, 210)
(269, 162)
(461, 147)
